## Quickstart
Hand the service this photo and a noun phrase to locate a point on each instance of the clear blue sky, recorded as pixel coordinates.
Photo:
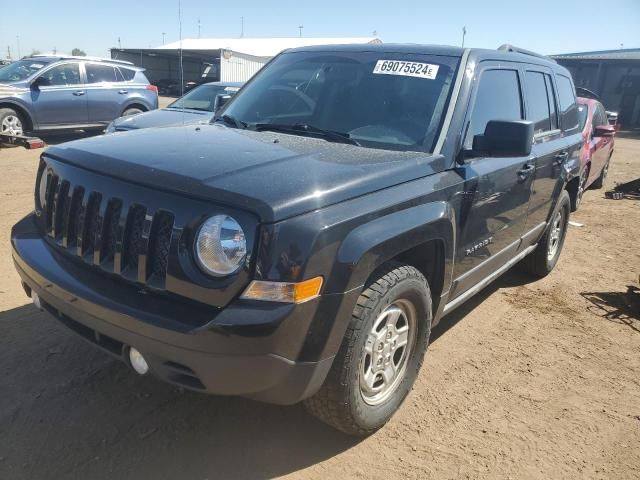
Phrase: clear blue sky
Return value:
(547, 26)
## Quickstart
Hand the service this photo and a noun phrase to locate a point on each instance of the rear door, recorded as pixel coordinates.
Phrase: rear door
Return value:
(106, 92)
(61, 99)
(549, 145)
(496, 193)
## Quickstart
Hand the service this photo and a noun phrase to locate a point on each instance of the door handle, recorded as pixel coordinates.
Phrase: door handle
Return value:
(122, 92)
(525, 171)
(79, 93)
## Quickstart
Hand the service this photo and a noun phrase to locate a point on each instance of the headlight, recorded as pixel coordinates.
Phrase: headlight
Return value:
(42, 189)
(220, 246)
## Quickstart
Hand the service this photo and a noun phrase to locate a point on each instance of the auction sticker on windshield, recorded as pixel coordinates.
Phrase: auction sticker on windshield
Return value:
(407, 69)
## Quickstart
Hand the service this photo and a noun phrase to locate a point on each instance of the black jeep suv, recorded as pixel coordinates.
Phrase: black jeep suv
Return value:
(302, 246)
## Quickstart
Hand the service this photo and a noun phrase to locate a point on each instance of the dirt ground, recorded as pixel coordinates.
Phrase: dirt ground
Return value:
(528, 380)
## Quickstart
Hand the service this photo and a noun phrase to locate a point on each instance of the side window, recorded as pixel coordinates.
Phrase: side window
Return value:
(552, 101)
(126, 73)
(568, 108)
(497, 98)
(65, 74)
(100, 73)
(538, 102)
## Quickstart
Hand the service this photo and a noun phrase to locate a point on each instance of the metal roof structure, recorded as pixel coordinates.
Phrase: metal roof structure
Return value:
(621, 54)
(260, 47)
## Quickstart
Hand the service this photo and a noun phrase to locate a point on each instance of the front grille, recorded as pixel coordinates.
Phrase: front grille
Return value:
(128, 240)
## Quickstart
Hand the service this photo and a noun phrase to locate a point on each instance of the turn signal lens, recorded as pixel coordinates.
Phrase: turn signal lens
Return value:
(283, 292)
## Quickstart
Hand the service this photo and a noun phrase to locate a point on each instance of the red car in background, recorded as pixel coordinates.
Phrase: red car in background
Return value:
(597, 147)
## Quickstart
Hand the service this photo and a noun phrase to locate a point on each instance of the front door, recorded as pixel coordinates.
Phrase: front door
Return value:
(60, 99)
(496, 191)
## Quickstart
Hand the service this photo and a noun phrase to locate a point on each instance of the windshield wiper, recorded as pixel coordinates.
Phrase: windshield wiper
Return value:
(297, 128)
(229, 120)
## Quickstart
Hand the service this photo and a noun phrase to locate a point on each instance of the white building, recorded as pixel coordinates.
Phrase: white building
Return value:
(225, 59)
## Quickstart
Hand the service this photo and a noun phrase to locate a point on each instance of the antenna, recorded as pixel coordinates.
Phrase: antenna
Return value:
(180, 49)
(163, 34)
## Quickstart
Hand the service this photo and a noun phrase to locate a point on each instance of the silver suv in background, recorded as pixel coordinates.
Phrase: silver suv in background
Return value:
(62, 92)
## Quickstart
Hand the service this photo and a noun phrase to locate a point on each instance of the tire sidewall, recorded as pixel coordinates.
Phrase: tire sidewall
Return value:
(6, 112)
(564, 205)
(371, 417)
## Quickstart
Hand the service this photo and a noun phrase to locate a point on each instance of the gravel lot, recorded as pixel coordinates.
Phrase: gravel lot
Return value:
(528, 380)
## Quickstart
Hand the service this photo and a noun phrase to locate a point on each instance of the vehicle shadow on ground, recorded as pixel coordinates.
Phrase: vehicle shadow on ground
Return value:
(618, 307)
(70, 411)
(512, 278)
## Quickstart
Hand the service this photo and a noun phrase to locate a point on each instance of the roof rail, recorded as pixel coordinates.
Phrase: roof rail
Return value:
(75, 57)
(512, 48)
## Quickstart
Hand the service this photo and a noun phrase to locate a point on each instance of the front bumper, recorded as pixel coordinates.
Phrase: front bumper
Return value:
(244, 349)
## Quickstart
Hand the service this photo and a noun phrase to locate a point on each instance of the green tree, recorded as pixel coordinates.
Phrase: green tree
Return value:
(76, 52)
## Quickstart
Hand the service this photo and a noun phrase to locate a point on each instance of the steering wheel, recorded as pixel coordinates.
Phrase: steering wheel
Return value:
(301, 95)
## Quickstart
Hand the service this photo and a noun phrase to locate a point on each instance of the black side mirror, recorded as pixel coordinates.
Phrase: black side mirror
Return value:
(220, 101)
(505, 139)
(39, 82)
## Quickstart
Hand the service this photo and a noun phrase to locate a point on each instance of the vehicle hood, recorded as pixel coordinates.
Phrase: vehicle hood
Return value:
(9, 90)
(162, 118)
(272, 174)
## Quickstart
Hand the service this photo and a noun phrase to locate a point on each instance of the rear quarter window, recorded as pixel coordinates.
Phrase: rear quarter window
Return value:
(127, 73)
(567, 99)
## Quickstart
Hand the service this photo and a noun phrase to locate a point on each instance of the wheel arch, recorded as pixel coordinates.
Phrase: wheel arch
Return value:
(135, 104)
(21, 110)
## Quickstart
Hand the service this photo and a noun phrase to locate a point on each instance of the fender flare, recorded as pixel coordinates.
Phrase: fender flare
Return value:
(372, 244)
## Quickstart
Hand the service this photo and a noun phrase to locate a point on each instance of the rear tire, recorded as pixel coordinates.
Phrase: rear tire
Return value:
(599, 182)
(381, 353)
(132, 111)
(544, 258)
(11, 122)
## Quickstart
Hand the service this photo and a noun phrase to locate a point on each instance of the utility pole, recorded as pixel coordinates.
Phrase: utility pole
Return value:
(241, 27)
(18, 40)
(163, 34)
(119, 43)
(464, 33)
(54, 50)
(300, 27)
(8, 52)
(198, 28)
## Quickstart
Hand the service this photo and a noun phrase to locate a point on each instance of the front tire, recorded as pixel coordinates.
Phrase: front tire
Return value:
(132, 111)
(11, 122)
(544, 258)
(582, 186)
(599, 182)
(381, 353)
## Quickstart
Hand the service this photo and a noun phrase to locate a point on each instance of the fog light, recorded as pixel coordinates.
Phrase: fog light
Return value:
(138, 362)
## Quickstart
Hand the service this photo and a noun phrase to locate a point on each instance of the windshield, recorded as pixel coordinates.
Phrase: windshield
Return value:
(20, 70)
(382, 100)
(202, 98)
(583, 113)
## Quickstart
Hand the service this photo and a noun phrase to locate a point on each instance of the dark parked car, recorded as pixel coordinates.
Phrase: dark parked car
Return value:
(197, 106)
(53, 93)
(597, 146)
(302, 247)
